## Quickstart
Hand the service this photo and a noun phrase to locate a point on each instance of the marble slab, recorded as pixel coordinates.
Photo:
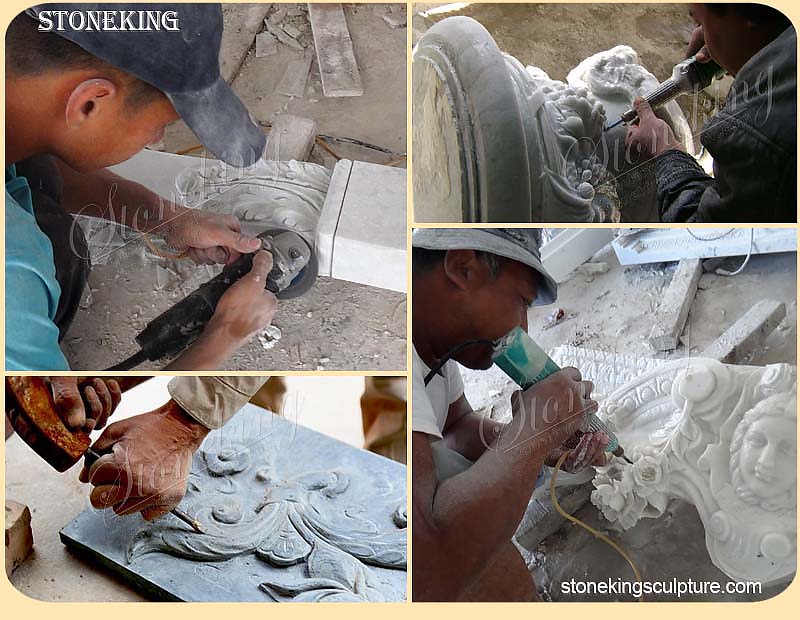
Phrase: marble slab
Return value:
(289, 514)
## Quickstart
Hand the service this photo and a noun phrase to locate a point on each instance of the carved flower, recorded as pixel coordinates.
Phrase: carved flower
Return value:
(650, 472)
(625, 493)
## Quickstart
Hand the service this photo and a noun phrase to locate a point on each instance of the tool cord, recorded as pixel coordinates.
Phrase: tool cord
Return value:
(131, 362)
(585, 526)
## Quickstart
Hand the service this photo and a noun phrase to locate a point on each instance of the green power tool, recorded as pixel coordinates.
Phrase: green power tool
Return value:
(524, 361)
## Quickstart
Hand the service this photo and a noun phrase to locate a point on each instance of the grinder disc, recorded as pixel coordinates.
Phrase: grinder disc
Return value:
(291, 242)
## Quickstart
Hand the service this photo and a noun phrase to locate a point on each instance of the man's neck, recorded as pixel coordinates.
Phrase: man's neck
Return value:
(431, 323)
(27, 120)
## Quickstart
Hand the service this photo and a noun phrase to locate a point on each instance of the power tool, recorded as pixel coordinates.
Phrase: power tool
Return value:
(524, 361)
(34, 416)
(294, 271)
(688, 76)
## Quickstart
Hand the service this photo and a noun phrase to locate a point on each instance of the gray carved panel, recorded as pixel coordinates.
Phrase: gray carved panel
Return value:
(289, 515)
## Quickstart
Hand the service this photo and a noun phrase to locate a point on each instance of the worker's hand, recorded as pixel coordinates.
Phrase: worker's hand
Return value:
(148, 462)
(86, 406)
(650, 136)
(697, 46)
(585, 449)
(208, 237)
(549, 412)
(246, 307)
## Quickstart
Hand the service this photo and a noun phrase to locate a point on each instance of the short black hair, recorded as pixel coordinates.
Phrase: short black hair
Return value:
(759, 13)
(423, 259)
(31, 52)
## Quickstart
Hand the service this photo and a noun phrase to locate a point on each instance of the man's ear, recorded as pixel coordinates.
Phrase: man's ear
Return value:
(86, 100)
(463, 268)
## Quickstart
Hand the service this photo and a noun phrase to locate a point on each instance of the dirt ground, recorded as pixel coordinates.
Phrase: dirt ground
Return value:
(556, 37)
(338, 325)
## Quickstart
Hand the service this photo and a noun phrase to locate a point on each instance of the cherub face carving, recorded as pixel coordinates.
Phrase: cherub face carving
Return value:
(764, 454)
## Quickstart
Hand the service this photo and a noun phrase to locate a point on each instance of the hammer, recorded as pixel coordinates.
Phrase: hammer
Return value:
(33, 414)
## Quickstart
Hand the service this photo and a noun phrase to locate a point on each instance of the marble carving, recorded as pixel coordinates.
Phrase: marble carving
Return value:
(615, 78)
(574, 184)
(722, 438)
(285, 194)
(288, 514)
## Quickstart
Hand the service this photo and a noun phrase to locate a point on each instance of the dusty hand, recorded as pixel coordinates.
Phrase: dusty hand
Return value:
(148, 462)
(208, 237)
(100, 395)
(246, 307)
(697, 46)
(650, 136)
(584, 449)
(551, 411)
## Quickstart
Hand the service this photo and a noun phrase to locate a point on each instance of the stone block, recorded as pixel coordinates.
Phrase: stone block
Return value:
(19, 537)
(361, 235)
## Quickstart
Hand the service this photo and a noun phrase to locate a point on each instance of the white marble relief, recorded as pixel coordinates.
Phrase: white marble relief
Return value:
(615, 78)
(283, 194)
(722, 438)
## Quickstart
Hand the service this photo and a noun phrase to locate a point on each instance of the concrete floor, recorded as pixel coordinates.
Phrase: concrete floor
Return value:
(329, 405)
(338, 325)
(612, 313)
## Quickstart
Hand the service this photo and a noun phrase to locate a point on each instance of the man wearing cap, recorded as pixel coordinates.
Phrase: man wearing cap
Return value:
(79, 99)
(473, 477)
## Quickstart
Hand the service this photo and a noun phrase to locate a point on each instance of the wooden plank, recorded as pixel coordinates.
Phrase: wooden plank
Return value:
(674, 309)
(241, 22)
(337, 62)
(291, 137)
(745, 338)
(293, 82)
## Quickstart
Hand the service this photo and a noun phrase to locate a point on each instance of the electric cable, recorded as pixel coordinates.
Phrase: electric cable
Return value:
(725, 272)
(447, 356)
(586, 526)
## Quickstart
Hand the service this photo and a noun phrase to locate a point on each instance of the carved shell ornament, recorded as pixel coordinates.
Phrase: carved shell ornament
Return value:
(306, 523)
(722, 438)
(284, 194)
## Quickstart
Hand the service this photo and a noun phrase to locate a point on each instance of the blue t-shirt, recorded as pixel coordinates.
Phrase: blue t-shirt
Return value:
(32, 290)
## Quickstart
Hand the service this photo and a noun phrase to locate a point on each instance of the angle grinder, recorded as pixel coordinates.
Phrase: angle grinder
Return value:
(294, 271)
(526, 363)
(688, 76)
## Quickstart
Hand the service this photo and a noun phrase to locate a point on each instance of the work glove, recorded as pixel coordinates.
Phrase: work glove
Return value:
(145, 462)
(86, 405)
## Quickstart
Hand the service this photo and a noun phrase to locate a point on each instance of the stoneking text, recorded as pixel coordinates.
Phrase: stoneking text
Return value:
(134, 21)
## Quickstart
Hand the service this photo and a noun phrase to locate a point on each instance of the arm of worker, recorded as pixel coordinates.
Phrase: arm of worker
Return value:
(458, 527)
(467, 432)
(146, 459)
(244, 309)
(213, 401)
(470, 434)
(206, 237)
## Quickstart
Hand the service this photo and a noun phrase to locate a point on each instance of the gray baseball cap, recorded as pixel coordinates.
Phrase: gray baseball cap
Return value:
(519, 244)
(183, 63)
